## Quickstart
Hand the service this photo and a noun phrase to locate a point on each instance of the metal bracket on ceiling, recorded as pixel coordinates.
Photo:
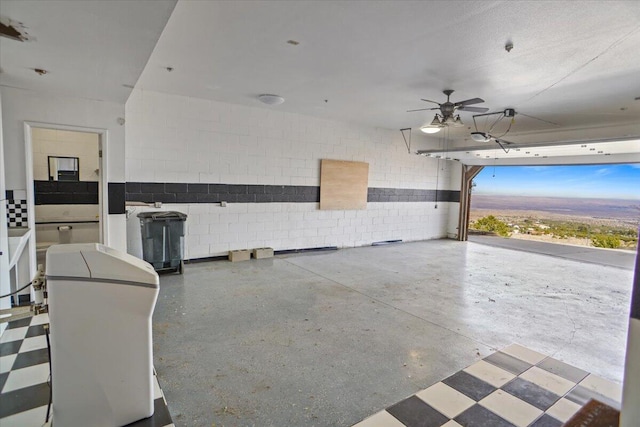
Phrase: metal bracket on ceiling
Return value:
(506, 150)
(407, 143)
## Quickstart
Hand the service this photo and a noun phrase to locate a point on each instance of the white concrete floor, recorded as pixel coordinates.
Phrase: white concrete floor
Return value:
(327, 339)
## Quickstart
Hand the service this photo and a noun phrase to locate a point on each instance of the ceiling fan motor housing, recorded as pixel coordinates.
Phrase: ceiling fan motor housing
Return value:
(447, 109)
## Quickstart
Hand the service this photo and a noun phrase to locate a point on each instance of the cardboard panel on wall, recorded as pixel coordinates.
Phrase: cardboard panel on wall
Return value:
(343, 185)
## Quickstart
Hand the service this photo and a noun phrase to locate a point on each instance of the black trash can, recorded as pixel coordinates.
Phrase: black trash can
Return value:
(163, 239)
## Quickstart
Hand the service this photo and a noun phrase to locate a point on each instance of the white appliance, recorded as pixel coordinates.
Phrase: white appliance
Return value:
(100, 307)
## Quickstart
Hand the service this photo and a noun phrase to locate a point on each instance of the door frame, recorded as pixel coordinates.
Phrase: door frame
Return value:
(103, 199)
(468, 173)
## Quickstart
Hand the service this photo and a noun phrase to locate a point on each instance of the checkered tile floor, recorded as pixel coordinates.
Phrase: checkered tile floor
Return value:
(512, 387)
(24, 372)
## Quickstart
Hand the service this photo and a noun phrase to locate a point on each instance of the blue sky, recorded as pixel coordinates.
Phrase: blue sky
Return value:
(592, 181)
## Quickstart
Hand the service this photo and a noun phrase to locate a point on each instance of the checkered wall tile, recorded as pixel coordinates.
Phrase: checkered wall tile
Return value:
(16, 213)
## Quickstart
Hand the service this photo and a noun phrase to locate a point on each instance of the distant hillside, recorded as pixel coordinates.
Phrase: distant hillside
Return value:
(626, 210)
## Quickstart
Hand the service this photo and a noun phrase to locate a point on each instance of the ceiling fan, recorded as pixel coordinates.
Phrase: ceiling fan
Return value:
(447, 110)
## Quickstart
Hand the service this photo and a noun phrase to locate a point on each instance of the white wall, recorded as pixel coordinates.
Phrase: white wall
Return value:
(5, 286)
(188, 140)
(23, 105)
(62, 143)
(631, 391)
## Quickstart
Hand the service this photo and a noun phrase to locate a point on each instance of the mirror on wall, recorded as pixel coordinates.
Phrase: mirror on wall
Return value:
(64, 168)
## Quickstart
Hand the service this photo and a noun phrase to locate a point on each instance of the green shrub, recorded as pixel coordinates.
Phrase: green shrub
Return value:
(491, 223)
(605, 241)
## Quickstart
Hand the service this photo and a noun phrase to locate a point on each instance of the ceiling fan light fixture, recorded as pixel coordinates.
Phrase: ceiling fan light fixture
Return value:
(270, 99)
(457, 121)
(428, 128)
(433, 127)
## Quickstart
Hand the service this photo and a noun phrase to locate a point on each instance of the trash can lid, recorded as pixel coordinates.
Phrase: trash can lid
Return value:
(163, 215)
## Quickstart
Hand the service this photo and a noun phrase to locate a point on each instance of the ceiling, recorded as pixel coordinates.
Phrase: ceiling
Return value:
(573, 63)
(90, 49)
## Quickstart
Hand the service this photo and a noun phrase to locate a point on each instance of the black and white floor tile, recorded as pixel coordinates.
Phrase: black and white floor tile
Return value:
(512, 387)
(24, 375)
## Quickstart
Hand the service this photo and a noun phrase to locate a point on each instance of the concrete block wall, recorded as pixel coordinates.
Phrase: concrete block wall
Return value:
(177, 139)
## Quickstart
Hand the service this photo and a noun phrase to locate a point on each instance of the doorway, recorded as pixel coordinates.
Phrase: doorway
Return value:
(65, 186)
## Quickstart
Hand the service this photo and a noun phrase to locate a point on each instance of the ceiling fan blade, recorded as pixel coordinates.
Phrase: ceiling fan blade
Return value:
(428, 100)
(536, 118)
(422, 109)
(474, 109)
(469, 102)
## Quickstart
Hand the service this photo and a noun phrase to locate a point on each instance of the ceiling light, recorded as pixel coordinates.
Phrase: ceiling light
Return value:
(271, 99)
(480, 136)
(429, 129)
(433, 127)
(457, 122)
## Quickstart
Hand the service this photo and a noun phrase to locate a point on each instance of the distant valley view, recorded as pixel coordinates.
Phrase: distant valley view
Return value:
(605, 223)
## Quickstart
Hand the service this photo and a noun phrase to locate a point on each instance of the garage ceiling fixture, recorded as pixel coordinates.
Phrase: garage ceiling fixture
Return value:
(447, 110)
(269, 99)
